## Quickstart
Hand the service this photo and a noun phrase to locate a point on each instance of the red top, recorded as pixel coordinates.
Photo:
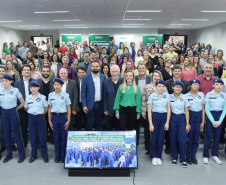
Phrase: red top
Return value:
(63, 50)
(188, 75)
(205, 85)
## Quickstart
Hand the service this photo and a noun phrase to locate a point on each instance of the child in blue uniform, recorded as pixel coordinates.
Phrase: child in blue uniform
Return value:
(60, 109)
(158, 116)
(36, 106)
(9, 117)
(196, 120)
(179, 123)
(215, 107)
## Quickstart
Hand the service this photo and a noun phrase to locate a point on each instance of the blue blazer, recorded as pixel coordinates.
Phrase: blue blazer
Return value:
(88, 90)
(148, 79)
(20, 85)
(109, 95)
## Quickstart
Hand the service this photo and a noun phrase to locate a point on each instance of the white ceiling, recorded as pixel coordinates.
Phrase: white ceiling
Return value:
(110, 13)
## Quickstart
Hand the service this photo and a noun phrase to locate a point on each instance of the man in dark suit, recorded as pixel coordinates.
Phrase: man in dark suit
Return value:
(141, 80)
(177, 71)
(24, 88)
(92, 96)
(46, 87)
(86, 63)
(80, 114)
(110, 89)
(70, 87)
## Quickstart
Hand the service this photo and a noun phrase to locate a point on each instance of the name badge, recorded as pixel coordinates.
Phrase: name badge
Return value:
(52, 99)
(155, 99)
(30, 102)
(190, 99)
(172, 101)
(212, 98)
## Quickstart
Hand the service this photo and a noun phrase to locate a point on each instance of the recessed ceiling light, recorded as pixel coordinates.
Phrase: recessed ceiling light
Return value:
(136, 19)
(36, 28)
(144, 11)
(179, 24)
(63, 20)
(194, 19)
(132, 24)
(78, 27)
(22, 26)
(73, 25)
(13, 21)
(214, 11)
(53, 12)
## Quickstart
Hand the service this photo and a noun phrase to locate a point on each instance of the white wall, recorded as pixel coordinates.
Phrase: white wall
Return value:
(11, 35)
(138, 33)
(214, 35)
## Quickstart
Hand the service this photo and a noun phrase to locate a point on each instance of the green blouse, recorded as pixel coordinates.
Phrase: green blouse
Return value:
(128, 99)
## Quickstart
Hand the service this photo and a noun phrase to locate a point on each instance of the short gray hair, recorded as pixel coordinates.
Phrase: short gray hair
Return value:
(64, 58)
(209, 62)
(113, 67)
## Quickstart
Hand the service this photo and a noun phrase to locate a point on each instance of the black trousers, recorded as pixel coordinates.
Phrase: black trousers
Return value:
(127, 118)
(78, 121)
(147, 138)
(112, 123)
(222, 139)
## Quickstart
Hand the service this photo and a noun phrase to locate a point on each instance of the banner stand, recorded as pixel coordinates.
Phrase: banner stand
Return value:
(99, 172)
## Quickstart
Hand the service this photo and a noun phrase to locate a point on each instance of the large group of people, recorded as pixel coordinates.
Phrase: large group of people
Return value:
(173, 90)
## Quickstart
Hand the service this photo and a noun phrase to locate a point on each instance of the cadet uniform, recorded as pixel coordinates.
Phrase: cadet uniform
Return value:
(195, 113)
(215, 108)
(10, 119)
(159, 118)
(178, 125)
(59, 118)
(36, 123)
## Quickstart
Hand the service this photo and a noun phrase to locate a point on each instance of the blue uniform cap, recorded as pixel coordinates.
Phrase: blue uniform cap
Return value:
(194, 81)
(160, 81)
(34, 84)
(7, 77)
(177, 82)
(218, 80)
(58, 80)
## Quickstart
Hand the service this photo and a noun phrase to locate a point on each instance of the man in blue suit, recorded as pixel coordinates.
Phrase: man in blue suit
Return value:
(110, 89)
(141, 80)
(92, 96)
(86, 64)
(24, 88)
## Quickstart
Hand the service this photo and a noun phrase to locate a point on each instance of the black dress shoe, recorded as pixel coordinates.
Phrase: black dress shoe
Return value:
(62, 160)
(189, 161)
(57, 160)
(3, 149)
(194, 160)
(6, 160)
(167, 151)
(32, 159)
(21, 160)
(46, 159)
(14, 148)
(147, 153)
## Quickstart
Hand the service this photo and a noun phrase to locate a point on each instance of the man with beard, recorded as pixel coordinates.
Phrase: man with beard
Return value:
(24, 88)
(92, 96)
(46, 87)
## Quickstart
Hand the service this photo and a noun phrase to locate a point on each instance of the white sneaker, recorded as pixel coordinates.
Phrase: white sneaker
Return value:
(154, 161)
(205, 160)
(217, 160)
(159, 161)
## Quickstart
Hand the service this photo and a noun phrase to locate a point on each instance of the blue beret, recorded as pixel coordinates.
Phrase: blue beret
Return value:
(34, 84)
(218, 80)
(58, 80)
(160, 81)
(194, 81)
(7, 76)
(177, 82)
